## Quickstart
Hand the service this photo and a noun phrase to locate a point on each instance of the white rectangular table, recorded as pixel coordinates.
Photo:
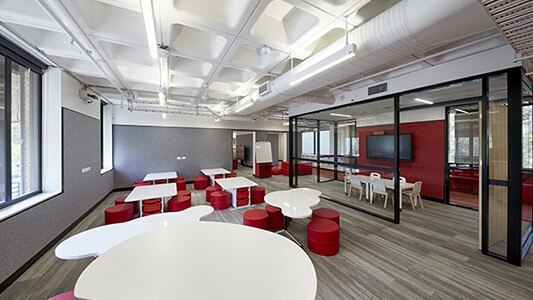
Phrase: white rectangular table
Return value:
(158, 176)
(232, 184)
(151, 191)
(213, 172)
(389, 183)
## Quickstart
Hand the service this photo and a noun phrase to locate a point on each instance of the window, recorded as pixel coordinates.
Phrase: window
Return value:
(463, 135)
(527, 137)
(20, 130)
(308, 142)
(102, 124)
(324, 143)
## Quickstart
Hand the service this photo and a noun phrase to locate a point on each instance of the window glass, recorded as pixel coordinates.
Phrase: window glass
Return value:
(2, 131)
(25, 123)
(324, 143)
(308, 142)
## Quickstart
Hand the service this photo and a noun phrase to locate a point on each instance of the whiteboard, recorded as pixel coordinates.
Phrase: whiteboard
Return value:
(263, 152)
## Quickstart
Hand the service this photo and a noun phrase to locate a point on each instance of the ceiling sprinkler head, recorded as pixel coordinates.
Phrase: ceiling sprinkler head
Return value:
(265, 50)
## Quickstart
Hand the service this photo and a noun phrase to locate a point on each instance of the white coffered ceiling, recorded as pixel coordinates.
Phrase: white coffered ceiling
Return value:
(219, 49)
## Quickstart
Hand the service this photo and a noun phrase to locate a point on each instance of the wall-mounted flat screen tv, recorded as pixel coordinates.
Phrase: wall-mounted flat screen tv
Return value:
(382, 147)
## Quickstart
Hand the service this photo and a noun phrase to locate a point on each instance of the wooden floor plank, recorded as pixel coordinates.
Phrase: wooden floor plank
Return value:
(432, 254)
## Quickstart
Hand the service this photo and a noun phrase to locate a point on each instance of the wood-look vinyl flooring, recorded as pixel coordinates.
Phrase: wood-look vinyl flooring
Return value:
(432, 254)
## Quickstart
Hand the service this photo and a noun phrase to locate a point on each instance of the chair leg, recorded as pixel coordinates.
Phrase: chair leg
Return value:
(371, 198)
(349, 191)
(412, 202)
(420, 199)
(386, 198)
(360, 193)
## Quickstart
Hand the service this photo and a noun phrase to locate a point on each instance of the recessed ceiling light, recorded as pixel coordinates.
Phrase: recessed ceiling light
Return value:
(423, 101)
(340, 115)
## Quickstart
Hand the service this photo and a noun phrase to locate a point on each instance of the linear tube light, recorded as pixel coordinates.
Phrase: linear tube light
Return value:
(340, 115)
(346, 53)
(423, 101)
(161, 98)
(461, 111)
(149, 24)
(244, 107)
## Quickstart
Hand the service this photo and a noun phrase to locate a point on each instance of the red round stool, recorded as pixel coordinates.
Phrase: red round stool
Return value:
(326, 213)
(275, 217)
(160, 181)
(181, 184)
(256, 217)
(323, 237)
(209, 190)
(200, 183)
(258, 194)
(230, 175)
(65, 296)
(184, 193)
(220, 200)
(179, 203)
(155, 212)
(120, 200)
(276, 170)
(118, 213)
(140, 183)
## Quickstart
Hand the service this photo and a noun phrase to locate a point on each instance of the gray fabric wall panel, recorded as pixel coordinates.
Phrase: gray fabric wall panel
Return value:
(25, 234)
(139, 150)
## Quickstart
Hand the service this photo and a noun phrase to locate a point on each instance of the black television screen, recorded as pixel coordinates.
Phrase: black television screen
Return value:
(382, 147)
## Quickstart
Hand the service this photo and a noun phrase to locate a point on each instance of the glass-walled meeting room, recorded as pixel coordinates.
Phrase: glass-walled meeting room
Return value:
(391, 155)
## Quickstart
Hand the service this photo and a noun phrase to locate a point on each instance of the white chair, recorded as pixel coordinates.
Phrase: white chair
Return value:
(402, 180)
(355, 184)
(374, 175)
(414, 195)
(347, 177)
(378, 187)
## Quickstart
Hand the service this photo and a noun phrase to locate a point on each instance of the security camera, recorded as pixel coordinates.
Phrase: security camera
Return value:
(86, 96)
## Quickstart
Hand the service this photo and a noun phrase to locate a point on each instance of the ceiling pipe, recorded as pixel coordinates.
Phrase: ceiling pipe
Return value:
(409, 27)
(60, 15)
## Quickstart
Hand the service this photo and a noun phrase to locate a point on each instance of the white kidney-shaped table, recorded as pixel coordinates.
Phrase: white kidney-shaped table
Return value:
(160, 176)
(145, 192)
(294, 203)
(213, 172)
(232, 184)
(201, 260)
(96, 241)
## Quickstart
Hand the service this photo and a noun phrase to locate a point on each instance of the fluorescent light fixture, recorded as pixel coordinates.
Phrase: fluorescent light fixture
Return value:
(340, 115)
(163, 69)
(346, 124)
(161, 98)
(461, 111)
(366, 119)
(164, 115)
(149, 24)
(336, 58)
(423, 101)
(244, 107)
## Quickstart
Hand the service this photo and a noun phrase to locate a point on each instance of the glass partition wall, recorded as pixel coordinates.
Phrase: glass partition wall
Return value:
(449, 143)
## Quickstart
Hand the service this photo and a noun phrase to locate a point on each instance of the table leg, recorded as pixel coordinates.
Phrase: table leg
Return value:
(140, 208)
(212, 179)
(289, 234)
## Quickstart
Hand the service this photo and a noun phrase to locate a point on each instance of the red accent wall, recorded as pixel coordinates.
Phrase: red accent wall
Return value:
(428, 154)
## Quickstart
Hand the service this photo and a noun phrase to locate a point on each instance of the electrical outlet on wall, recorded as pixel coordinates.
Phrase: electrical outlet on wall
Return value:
(183, 157)
(178, 158)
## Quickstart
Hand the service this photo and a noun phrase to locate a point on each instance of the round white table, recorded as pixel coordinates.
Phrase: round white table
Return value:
(201, 260)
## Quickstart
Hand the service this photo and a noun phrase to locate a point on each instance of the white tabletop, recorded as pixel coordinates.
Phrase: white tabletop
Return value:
(235, 183)
(159, 176)
(96, 241)
(294, 203)
(144, 192)
(216, 171)
(389, 183)
(201, 260)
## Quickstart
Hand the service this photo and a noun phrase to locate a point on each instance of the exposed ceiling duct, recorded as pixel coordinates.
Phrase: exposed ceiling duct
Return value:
(410, 27)
(311, 98)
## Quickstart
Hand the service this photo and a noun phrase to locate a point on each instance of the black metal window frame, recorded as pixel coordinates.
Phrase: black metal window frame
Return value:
(102, 124)
(13, 54)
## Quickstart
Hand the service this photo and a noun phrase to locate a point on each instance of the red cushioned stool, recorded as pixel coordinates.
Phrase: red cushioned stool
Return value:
(181, 184)
(179, 203)
(151, 206)
(140, 183)
(275, 217)
(200, 183)
(276, 170)
(326, 213)
(184, 193)
(120, 200)
(220, 200)
(209, 190)
(230, 175)
(323, 236)
(118, 213)
(155, 212)
(258, 194)
(65, 296)
(160, 181)
(256, 217)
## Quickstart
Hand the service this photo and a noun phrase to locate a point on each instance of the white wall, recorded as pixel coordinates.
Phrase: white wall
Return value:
(122, 116)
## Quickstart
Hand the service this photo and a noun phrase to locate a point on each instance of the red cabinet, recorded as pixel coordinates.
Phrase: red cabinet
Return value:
(465, 180)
